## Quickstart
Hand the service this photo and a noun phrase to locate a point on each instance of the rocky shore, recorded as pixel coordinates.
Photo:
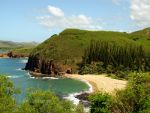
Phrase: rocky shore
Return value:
(12, 55)
(43, 67)
(40, 75)
(96, 83)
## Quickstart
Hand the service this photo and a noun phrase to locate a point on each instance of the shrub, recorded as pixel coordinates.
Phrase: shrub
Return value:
(7, 90)
(47, 102)
(88, 69)
(100, 102)
(136, 97)
(36, 102)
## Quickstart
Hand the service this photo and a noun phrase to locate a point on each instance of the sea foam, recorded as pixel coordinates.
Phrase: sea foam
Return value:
(24, 61)
(72, 96)
(13, 76)
(30, 76)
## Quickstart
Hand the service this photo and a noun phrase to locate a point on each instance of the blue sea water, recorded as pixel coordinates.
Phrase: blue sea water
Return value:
(22, 80)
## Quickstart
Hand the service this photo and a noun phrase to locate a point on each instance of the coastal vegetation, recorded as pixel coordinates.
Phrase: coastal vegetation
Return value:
(37, 101)
(104, 57)
(64, 52)
(125, 55)
(134, 99)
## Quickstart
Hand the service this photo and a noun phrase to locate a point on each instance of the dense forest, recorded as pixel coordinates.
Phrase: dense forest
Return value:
(104, 57)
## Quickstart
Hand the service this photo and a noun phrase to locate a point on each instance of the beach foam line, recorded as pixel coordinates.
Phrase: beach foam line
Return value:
(72, 96)
(14, 76)
(24, 61)
(54, 78)
(20, 69)
(30, 76)
(90, 86)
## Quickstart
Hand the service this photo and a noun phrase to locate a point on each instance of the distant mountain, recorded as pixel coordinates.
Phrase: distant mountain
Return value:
(18, 47)
(11, 44)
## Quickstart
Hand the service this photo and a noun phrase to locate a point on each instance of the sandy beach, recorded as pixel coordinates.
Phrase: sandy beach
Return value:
(100, 82)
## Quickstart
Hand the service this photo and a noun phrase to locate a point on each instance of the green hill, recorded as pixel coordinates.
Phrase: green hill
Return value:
(71, 43)
(142, 37)
(18, 47)
(68, 47)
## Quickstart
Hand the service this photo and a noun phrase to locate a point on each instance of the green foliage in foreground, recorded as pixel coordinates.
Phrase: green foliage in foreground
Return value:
(7, 90)
(100, 103)
(45, 102)
(36, 101)
(134, 99)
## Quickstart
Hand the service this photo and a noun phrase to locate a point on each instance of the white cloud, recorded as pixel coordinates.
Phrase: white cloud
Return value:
(140, 12)
(55, 11)
(56, 18)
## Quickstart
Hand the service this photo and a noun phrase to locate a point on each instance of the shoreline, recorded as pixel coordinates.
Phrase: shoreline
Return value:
(94, 86)
(100, 82)
(11, 55)
(95, 82)
(75, 97)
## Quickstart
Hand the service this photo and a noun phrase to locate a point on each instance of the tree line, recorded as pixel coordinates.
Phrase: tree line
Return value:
(113, 57)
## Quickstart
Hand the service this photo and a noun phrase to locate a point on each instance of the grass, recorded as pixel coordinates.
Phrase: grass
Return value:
(142, 37)
(24, 50)
(69, 45)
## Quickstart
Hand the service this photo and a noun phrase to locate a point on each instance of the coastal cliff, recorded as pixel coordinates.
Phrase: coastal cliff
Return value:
(40, 67)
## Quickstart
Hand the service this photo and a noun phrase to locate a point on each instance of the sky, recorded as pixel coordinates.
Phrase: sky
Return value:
(37, 20)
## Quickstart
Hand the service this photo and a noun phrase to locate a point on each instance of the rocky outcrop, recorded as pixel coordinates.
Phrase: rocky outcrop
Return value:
(12, 55)
(15, 55)
(3, 55)
(46, 67)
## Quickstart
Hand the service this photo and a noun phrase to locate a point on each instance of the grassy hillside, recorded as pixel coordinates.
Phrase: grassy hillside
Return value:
(142, 37)
(69, 45)
(23, 50)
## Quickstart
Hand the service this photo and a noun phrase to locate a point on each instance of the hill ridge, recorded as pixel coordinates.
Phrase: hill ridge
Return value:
(67, 48)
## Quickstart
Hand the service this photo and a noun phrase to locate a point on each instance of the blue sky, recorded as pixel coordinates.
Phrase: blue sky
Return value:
(37, 20)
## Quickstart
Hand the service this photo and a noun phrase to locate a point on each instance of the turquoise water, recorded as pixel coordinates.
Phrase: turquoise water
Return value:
(22, 80)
